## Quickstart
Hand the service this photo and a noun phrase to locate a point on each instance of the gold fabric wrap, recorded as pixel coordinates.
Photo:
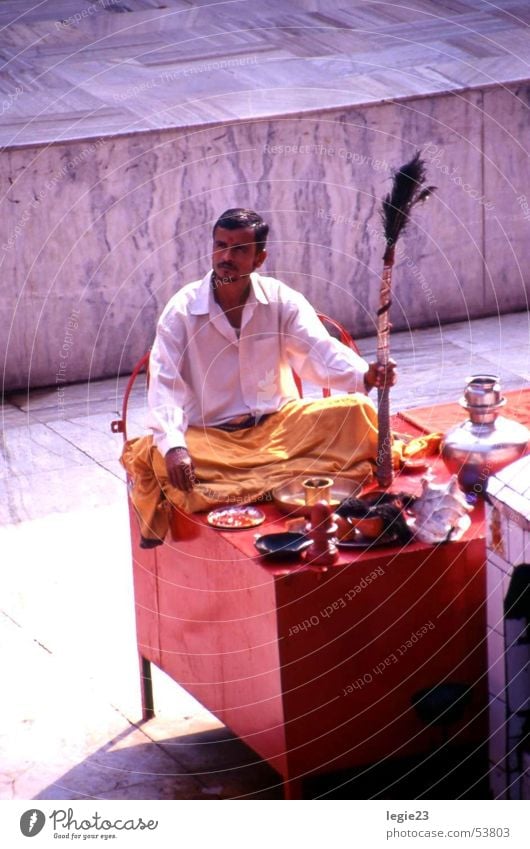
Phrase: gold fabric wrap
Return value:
(332, 436)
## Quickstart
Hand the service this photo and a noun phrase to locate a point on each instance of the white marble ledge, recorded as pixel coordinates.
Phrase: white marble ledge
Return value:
(497, 583)
(505, 491)
(518, 539)
(516, 476)
(515, 506)
(497, 559)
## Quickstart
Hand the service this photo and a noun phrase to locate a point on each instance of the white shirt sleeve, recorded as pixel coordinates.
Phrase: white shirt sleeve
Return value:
(168, 392)
(315, 355)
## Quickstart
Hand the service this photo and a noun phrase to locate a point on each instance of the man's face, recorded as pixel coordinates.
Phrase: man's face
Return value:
(235, 253)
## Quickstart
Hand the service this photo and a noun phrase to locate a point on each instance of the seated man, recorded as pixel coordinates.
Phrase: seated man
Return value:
(228, 424)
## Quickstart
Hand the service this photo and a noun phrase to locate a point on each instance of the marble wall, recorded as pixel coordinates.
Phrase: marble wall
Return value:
(96, 235)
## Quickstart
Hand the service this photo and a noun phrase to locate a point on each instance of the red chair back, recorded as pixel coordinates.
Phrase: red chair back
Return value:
(343, 337)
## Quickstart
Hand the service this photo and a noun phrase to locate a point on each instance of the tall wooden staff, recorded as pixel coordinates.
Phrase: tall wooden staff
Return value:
(407, 190)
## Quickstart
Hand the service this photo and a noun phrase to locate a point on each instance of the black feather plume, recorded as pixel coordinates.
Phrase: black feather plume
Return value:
(407, 190)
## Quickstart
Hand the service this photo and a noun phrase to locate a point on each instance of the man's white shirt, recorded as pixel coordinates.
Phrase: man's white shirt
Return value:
(203, 373)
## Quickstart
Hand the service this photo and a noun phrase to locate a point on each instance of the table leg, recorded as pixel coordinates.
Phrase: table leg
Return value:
(292, 788)
(146, 688)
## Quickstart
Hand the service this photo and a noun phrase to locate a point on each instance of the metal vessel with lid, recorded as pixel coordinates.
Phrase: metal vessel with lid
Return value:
(486, 442)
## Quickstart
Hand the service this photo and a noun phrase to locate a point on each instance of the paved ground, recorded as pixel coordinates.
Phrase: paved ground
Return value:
(71, 709)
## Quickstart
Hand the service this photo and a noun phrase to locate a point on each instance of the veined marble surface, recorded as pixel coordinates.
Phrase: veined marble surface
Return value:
(97, 235)
(128, 127)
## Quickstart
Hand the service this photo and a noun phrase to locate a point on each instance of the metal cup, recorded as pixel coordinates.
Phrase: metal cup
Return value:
(483, 390)
(482, 398)
(317, 489)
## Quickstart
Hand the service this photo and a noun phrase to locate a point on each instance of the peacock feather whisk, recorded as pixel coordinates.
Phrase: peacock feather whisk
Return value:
(407, 190)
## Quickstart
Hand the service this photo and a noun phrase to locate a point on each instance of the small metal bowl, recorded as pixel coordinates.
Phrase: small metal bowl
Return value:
(370, 527)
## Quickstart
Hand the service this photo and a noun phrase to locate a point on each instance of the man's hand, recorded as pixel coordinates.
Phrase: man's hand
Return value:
(380, 376)
(180, 469)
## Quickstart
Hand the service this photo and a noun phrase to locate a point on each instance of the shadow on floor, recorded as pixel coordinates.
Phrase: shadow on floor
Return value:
(207, 765)
(216, 765)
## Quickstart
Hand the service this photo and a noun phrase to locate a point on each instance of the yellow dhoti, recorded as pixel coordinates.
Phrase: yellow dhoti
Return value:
(332, 436)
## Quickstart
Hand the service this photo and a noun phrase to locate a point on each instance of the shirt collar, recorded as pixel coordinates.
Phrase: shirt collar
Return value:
(257, 287)
(201, 303)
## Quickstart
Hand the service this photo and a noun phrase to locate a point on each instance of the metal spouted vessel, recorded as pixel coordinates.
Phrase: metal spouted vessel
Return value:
(485, 443)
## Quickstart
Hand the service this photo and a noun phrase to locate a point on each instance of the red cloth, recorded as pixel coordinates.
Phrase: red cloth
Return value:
(442, 417)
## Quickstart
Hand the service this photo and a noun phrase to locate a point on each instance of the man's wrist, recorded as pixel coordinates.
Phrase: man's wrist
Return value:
(177, 448)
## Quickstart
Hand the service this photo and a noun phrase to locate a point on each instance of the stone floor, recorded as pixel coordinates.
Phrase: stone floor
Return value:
(71, 724)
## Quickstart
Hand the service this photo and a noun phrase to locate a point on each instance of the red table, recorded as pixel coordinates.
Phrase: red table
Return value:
(314, 669)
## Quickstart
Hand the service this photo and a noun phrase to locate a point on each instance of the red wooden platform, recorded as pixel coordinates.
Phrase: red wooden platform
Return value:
(315, 670)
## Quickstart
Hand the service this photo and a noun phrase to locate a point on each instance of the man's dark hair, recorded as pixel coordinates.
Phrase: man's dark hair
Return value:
(238, 219)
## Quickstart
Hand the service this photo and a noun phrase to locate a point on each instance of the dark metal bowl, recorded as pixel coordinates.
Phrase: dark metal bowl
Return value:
(286, 544)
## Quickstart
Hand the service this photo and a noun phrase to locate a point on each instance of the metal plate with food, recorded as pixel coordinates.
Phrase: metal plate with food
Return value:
(235, 518)
(286, 544)
(290, 497)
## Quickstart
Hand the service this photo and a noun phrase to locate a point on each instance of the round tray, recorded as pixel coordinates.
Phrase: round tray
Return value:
(289, 497)
(239, 518)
